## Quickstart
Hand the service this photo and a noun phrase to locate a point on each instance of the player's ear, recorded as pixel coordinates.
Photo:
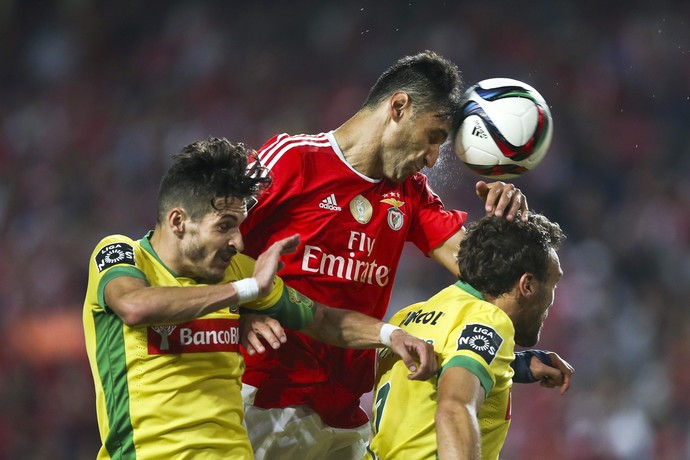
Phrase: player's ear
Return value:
(526, 285)
(399, 102)
(177, 219)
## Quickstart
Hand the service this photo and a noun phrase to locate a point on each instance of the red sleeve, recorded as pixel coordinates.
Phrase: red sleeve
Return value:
(267, 213)
(433, 223)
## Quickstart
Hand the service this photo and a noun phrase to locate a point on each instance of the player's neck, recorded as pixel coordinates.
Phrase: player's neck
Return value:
(165, 249)
(508, 302)
(359, 138)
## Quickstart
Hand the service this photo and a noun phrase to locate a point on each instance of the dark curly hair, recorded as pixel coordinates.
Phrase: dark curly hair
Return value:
(433, 83)
(205, 171)
(495, 252)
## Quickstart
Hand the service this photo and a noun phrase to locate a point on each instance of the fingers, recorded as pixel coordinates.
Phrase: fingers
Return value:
(557, 376)
(565, 369)
(502, 199)
(289, 244)
(417, 355)
(257, 329)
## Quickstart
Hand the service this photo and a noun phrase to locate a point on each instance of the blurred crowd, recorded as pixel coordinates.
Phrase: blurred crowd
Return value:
(96, 96)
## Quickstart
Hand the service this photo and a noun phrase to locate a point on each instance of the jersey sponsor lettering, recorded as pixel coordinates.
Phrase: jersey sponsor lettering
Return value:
(114, 254)
(350, 267)
(198, 336)
(423, 317)
(480, 339)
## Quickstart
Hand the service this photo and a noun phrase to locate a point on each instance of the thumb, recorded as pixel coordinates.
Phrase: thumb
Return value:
(407, 358)
(482, 189)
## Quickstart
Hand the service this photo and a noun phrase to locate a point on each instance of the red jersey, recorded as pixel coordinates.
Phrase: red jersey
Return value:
(353, 229)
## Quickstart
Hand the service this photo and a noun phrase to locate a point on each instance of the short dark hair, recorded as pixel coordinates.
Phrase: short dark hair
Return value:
(207, 170)
(433, 83)
(496, 252)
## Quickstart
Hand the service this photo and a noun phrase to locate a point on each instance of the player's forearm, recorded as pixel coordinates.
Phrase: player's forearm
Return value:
(457, 433)
(156, 305)
(445, 254)
(345, 328)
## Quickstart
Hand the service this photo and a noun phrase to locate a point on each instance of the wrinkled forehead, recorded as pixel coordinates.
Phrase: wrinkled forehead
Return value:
(230, 205)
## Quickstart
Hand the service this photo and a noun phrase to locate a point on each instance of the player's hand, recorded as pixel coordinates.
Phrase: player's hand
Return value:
(255, 328)
(417, 355)
(502, 199)
(268, 263)
(558, 375)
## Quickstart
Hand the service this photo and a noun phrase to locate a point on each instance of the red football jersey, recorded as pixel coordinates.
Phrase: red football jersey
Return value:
(352, 230)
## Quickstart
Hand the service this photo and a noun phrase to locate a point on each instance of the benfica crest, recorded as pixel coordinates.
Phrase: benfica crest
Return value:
(396, 218)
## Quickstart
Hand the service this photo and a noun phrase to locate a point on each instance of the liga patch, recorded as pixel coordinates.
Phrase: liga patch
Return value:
(114, 254)
(480, 339)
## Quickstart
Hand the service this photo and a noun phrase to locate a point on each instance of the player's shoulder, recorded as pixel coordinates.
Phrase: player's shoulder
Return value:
(115, 250)
(471, 305)
(116, 241)
(292, 145)
(400, 316)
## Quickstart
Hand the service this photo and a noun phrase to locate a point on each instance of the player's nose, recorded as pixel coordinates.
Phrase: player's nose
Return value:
(236, 242)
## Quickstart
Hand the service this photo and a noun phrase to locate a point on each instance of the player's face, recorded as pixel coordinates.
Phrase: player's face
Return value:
(210, 244)
(414, 144)
(533, 313)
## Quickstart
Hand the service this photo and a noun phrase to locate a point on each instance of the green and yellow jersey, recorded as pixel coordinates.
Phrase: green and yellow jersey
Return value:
(169, 390)
(465, 331)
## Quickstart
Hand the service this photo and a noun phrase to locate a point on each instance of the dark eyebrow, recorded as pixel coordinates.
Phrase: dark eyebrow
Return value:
(231, 217)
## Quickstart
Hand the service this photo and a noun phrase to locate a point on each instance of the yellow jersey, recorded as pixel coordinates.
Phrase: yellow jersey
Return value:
(170, 390)
(465, 331)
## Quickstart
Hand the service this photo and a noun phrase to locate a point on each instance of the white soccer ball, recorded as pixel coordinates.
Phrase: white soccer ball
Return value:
(506, 128)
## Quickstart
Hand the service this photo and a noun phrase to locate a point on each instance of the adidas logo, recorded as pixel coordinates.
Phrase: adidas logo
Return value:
(478, 131)
(330, 203)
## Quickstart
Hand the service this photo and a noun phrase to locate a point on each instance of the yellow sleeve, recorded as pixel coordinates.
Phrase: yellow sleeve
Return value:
(114, 256)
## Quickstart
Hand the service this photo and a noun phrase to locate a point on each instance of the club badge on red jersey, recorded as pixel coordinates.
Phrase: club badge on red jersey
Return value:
(396, 218)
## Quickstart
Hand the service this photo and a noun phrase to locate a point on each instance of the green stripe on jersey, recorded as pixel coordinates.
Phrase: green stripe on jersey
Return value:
(472, 366)
(112, 370)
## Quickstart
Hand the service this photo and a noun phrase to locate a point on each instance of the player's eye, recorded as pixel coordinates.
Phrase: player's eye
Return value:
(437, 138)
(224, 227)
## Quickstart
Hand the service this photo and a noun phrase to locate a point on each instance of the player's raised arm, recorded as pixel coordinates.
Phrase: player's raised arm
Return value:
(347, 329)
(350, 329)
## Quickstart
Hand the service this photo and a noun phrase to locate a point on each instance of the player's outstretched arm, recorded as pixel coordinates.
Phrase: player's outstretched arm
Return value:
(502, 199)
(344, 328)
(351, 329)
(139, 304)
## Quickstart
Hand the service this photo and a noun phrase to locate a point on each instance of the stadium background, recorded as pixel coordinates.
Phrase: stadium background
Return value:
(96, 96)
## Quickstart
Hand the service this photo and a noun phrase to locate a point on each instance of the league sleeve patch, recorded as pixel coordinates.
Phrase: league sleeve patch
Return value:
(480, 339)
(114, 254)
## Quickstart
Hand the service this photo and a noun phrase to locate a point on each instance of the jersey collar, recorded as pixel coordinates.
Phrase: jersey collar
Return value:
(469, 289)
(146, 244)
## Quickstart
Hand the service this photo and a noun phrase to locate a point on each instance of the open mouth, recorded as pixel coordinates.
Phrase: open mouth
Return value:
(226, 256)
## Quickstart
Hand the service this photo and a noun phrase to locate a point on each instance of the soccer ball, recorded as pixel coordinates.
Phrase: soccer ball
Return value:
(506, 128)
